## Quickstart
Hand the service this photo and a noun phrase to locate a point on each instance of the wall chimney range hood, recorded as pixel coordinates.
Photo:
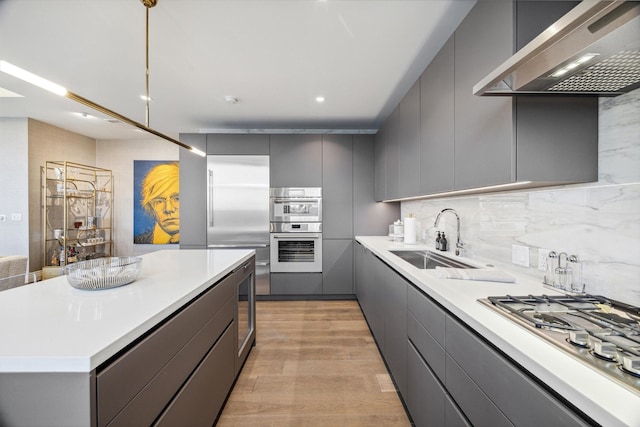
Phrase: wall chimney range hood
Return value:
(592, 50)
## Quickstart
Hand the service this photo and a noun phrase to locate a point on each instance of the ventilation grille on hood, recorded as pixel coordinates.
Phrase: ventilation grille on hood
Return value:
(610, 75)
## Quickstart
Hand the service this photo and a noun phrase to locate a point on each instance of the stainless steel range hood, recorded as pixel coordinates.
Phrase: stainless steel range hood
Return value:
(592, 50)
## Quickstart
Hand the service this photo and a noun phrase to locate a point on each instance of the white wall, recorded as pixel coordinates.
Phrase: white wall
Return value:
(119, 156)
(14, 186)
(599, 222)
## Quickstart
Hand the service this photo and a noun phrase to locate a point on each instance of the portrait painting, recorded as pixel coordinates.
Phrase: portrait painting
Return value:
(156, 211)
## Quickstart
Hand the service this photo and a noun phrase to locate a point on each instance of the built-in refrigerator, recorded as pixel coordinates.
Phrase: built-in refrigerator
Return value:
(238, 209)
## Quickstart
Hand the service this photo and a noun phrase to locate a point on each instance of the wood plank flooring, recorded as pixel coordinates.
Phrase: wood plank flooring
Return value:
(314, 364)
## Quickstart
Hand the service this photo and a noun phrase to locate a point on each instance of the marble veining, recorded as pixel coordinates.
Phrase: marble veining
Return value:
(599, 222)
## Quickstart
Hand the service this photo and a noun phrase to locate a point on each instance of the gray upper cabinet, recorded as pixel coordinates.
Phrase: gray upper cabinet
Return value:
(484, 142)
(436, 117)
(409, 142)
(193, 187)
(296, 160)
(237, 144)
(369, 218)
(392, 144)
(337, 186)
(380, 178)
(467, 141)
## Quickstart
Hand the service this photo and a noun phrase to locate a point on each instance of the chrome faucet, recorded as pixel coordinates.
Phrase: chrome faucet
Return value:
(459, 244)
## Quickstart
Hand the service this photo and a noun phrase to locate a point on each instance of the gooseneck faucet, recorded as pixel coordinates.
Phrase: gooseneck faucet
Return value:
(459, 244)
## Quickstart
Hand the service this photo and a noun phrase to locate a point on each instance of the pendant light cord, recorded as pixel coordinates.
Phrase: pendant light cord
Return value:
(147, 67)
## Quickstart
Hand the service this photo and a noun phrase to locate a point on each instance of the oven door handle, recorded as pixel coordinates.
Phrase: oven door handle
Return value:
(296, 237)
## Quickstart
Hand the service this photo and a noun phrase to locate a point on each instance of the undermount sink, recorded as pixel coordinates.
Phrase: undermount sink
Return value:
(426, 259)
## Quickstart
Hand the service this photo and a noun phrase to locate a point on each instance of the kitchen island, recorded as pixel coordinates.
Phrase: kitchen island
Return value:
(73, 357)
(451, 307)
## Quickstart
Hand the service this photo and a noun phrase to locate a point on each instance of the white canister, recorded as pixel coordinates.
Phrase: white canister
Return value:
(410, 230)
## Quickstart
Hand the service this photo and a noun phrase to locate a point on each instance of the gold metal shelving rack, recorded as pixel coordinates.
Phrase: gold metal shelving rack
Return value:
(78, 213)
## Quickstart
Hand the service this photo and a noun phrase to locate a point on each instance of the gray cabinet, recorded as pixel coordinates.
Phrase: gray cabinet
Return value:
(392, 152)
(296, 283)
(395, 326)
(484, 126)
(237, 144)
(437, 128)
(193, 188)
(447, 374)
(381, 164)
(337, 187)
(485, 385)
(425, 397)
(337, 267)
(369, 217)
(409, 142)
(296, 161)
(382, 294)
(183, 370)
(468, 141)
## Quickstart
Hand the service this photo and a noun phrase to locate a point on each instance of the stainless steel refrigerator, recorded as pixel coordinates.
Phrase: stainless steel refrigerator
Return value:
(238, 209)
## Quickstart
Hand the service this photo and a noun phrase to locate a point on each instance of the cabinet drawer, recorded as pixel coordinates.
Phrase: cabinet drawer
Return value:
(425, 396)
(123, 379)
(428, 313)
(427, 346)
(202, 397)
(149, 403)
(477, 407)
(503, 383)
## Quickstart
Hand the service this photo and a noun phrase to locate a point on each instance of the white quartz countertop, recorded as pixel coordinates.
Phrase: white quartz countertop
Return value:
(50, 326)
(602, 399)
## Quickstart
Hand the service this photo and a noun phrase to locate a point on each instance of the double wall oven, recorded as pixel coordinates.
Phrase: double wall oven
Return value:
(296, 230)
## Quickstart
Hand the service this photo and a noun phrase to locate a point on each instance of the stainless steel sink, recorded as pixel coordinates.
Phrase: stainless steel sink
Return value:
(429, 260)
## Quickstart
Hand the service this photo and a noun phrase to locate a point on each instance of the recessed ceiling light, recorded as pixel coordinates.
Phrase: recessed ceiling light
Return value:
(320, 99)
(230, 99)
(85, 115)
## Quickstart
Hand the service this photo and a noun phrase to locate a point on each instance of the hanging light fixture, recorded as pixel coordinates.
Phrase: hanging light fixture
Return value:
(43, 83)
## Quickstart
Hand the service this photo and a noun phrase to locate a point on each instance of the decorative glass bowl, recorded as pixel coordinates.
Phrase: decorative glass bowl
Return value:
(103, 273)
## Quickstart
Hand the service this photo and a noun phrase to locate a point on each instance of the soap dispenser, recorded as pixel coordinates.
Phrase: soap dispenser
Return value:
(438, 238)
(443, 242)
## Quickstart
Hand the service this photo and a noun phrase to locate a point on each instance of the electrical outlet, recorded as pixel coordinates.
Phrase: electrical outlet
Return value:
(16, 217)
(543, 257)
(520, 255)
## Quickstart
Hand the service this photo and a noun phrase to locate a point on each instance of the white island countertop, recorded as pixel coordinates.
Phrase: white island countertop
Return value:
(600, 398)
(50, 326)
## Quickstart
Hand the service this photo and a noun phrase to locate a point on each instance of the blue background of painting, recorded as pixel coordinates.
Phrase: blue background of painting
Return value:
(141, 221)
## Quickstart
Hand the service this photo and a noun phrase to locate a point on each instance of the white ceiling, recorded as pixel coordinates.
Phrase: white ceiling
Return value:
(274, 56)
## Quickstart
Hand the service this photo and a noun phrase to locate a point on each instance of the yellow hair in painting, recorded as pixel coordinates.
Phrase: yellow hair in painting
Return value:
(157, 181)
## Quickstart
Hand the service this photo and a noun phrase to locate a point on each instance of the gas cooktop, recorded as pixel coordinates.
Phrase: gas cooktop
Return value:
(600, 332)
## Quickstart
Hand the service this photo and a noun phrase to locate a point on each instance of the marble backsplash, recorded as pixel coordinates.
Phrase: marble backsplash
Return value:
(599, 222)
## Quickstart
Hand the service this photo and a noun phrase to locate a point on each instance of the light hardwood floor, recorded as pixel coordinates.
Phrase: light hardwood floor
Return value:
(314, 364)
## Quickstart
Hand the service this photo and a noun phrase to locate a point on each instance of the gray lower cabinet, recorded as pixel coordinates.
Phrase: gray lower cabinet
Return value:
(182, 372)
(394, 306)
(446, 374)
(337, 267)
(296, 283)
(473, 368)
